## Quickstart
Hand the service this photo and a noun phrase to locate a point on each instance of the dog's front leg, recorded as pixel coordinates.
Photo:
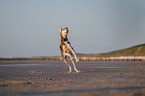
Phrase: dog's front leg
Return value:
(72, 50)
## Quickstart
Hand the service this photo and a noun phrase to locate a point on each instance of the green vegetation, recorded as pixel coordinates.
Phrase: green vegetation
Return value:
(138, 50)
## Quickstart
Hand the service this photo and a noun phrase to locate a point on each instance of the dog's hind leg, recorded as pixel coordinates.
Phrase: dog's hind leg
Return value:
(62, 48)
(69, 55)
(68, 65)
(75, 66)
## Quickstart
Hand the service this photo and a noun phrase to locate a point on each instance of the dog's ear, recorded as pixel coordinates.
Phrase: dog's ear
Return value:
(60, 29)
(66, 28)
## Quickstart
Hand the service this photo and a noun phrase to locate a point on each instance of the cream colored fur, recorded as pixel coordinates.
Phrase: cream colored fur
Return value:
(67, 50)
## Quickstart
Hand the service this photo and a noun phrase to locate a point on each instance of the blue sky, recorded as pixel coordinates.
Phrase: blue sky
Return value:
(31, 27)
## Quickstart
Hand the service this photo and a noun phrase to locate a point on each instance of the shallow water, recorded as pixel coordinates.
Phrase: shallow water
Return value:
(51, 78)
(22, 64)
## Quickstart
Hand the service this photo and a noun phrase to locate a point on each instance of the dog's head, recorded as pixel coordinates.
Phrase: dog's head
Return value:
(63, 32)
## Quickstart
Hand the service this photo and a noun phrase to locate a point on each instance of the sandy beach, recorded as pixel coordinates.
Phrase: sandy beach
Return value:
(50, 78)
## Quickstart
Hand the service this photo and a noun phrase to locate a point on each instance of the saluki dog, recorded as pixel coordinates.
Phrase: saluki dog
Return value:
(67, 50)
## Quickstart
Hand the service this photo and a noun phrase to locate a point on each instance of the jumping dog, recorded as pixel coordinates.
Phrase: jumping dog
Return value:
(67, 50)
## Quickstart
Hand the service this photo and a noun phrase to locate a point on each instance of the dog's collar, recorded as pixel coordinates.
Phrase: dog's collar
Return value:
(64, 39)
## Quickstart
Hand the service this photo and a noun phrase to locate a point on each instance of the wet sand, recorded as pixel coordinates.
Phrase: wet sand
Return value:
(50, 78)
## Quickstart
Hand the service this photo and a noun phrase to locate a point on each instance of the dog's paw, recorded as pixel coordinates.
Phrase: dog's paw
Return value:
(78, 71)
(69, 71)
(77, 60)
